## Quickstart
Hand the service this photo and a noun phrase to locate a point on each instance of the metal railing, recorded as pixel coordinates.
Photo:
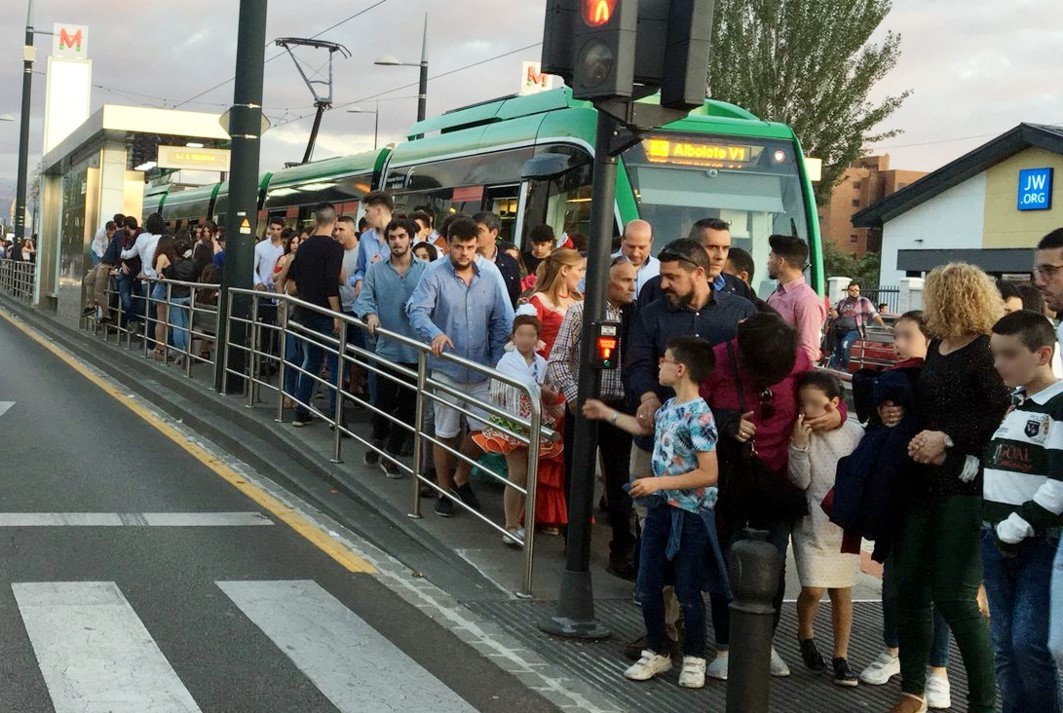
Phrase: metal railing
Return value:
(148, 310)
(427, 391)
(17, 279)
(145, 310)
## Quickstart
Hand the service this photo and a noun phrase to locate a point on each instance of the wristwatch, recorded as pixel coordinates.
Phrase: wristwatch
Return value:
(949, 443)
(616, 415)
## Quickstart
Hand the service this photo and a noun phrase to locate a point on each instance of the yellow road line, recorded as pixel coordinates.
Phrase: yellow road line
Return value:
(317, 537)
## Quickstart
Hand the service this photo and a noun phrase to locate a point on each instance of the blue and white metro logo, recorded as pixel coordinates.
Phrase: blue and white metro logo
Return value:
(1035, 189)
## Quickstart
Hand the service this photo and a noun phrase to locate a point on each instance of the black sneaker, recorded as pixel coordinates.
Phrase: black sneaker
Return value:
(812, 658)
(445, 508)
(391, 467)
(622, 569)
(467, 496)
(300, 420)
(371, 457)
(843, 675)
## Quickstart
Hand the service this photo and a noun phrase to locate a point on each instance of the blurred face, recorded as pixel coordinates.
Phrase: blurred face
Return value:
(110, 234)
(730, 269)
(669, 371)
(525, 338)
(399, 242)
(853, 291)
(343, 232)
(542, 250)
(716, 243)
(622, 280)
(636, 244)
(775, 265)
(1015, 363)
(422, 252)
(814, 402)
(462, 253)
(295, 243)
(908, 341)
(678, 281)
(513, 253)
(573, 275)
(378, 216)
(485, 238)
(424, 229)
(1012, 304)
(1048, 276)
(273, 231)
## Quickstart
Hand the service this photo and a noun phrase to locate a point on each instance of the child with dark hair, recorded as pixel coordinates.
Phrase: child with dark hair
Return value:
(821, 564)
(675, 535)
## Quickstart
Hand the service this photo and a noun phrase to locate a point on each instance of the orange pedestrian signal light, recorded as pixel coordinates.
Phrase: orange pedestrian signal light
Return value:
(598, 12)
(606, 353)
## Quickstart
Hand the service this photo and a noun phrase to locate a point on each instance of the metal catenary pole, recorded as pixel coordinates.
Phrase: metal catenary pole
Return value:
(24, 130)
(575, 607)
(245, 128)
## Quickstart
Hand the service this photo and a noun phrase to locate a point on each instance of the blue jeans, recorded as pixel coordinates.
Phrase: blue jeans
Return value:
(294, 354)
(939, 650)
(1055, 633)
(313, 356)
(843, 344)
(179, 320)
(1019, 590)
(128, 288)
(688, 569)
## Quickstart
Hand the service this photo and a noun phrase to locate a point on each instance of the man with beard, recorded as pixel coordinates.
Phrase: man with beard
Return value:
(690, 307)
(387, 287)
(795, 300)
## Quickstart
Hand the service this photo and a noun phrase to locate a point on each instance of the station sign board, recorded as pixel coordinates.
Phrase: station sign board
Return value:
(70, 41)
(184, 157)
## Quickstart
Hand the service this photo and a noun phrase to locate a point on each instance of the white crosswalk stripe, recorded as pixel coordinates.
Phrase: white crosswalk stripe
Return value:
(96, 656)
(94, 653)
(355, 667)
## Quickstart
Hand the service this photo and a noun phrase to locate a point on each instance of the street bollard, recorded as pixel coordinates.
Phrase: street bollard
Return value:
(754, 571)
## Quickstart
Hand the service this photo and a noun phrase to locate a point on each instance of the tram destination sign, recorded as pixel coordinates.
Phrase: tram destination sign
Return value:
(702, 154)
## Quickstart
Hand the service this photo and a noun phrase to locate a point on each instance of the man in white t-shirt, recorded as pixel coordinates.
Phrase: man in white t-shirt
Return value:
(267, 252)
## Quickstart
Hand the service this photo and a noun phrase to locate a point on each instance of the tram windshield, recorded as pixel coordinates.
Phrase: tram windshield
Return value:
(751, 183)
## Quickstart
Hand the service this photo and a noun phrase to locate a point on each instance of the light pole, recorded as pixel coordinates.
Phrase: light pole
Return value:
(422, 89)
(28, 55)
(376, 120)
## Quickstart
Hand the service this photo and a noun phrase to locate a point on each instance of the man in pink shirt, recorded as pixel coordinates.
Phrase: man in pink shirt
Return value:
(794, 299)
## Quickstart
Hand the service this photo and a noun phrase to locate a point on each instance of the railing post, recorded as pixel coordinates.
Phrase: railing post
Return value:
(252, 371)
(224, 324)
(282, 335)
(190, 311)
(419, 456)
(534, 436)
(147, 309)
(754, 573)
(337, 415)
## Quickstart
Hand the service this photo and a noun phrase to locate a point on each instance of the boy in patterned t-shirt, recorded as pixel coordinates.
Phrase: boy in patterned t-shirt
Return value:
(1022, 503)
(683, 484)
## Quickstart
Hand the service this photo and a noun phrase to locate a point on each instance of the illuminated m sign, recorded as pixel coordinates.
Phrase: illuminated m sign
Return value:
(70, 41)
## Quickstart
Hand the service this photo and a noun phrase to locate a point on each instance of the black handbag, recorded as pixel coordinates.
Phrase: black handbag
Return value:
(750, 491)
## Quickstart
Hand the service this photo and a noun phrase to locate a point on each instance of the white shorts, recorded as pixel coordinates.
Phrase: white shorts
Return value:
(448, 420)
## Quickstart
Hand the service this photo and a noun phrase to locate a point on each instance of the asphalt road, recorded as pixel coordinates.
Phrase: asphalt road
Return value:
(133, 579)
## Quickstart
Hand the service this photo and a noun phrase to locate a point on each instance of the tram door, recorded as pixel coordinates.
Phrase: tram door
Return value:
(563, 202)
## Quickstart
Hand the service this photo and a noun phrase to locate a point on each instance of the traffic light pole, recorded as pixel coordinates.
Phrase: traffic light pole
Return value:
(574, 617)
(245, 129)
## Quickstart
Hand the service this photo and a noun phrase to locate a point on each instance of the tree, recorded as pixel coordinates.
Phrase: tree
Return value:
(809, 64)
(864, 269)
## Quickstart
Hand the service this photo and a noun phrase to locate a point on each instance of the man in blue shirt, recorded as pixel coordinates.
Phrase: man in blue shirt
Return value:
(388, 285)
(372, 244)
(460, 307)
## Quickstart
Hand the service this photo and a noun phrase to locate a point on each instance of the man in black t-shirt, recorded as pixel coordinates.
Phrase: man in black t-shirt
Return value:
(542, 244)
(316, 272)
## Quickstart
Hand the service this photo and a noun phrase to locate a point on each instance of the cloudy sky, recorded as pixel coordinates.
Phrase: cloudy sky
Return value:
(976, 68)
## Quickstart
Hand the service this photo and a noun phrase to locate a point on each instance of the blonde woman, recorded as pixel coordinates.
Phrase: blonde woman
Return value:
(556, 289)
(960, 401)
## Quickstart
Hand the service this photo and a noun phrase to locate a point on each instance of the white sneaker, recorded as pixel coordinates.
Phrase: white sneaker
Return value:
(881, 670)
(718, 668)
(693, 673)
(648, 666)
(938, 693)
(779, 669)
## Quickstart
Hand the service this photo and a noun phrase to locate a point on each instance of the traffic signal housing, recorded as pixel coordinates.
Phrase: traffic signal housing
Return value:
(606, 352)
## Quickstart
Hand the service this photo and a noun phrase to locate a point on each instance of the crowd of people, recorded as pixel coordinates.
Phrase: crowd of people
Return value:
(717, 419)
(24, 250)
